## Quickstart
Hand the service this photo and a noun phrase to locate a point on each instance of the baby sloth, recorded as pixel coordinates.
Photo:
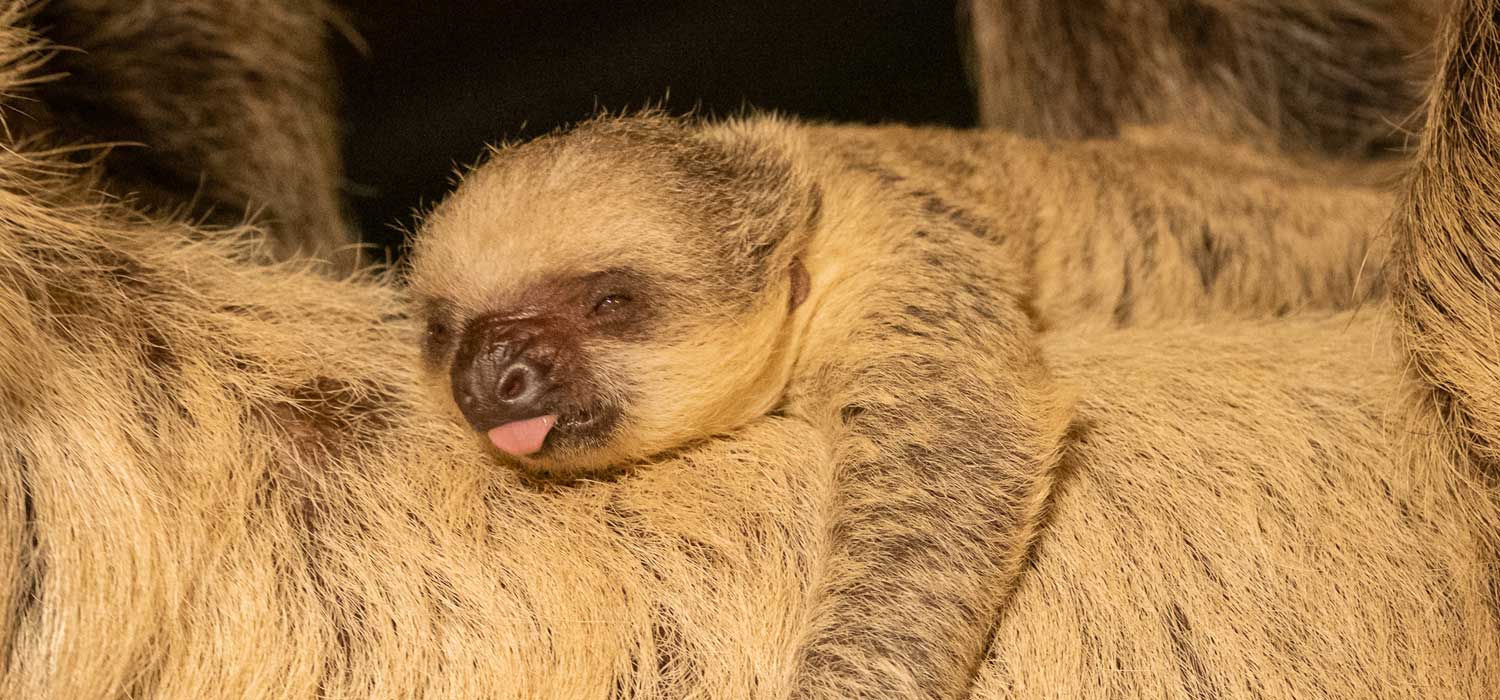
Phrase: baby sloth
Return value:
(597, 298)
(626, 289)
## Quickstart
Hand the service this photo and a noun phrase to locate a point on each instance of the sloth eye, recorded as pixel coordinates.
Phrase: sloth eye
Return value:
(610, 303)
(438, 335)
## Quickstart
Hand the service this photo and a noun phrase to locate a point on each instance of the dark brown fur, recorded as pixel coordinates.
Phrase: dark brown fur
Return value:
(221, 110)
(1332, 76)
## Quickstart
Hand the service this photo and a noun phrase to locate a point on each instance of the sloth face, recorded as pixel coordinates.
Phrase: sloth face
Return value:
(590, 305)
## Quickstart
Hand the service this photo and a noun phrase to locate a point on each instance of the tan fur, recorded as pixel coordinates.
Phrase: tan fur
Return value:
(1340, 77)
(1241, 521)
(226, 481)
(1142, 230)
(891, 339)
(404, 563)
(1448, 283)
(714, 354)
(914, 380)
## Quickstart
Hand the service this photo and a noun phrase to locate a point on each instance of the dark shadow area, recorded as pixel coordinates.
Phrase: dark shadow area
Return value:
(444, 78)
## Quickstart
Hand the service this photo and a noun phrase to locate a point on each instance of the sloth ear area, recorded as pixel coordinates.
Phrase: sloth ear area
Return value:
(801, 283)
(787, 228)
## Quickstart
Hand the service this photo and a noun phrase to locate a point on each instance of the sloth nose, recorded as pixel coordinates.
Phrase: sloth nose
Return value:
(501, 372)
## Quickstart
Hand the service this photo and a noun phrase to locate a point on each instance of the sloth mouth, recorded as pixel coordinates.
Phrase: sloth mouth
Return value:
(574, 435)
(572, 428)
(586, 421)
(580, 427)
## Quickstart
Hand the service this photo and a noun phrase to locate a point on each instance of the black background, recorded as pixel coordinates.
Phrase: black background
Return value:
(437, 80)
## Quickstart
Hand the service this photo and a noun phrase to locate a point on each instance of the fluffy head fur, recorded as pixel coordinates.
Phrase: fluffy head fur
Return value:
(656, 263)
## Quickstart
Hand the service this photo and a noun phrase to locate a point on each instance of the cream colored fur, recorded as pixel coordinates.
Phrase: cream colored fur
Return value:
(226, 481)
(914, 350)
(1151, 228)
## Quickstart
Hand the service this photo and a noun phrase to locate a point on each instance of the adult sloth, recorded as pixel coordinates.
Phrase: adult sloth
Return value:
(219, 480)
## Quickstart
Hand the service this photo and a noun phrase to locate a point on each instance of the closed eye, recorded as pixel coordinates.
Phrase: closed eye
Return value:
(440, 330)
(610, 303)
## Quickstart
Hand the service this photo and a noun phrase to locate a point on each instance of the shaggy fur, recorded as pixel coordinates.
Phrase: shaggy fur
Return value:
(1141, 230)
(1242, 521)
(1333, 76)
(905, 354)
(316, 534)
(219, 480)
(911, 316)
(221, 109)
(1448, 282)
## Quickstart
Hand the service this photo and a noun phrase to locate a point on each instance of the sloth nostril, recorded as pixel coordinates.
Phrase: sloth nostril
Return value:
(513, 384)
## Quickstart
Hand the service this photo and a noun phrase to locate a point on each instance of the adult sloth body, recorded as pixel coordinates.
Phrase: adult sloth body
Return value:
(241, 459)
(251, 475)
(599, 298)
(220, 480)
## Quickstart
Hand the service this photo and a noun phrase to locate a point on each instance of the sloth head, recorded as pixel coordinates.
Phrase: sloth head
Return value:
(601, 296)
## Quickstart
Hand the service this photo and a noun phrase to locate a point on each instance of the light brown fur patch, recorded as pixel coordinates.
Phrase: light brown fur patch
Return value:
(1249, 512)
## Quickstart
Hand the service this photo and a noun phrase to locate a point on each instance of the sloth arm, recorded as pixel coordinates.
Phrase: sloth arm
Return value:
(922, 367)
(232, 99)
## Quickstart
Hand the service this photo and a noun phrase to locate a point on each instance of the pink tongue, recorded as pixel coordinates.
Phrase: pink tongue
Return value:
(522, 437)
